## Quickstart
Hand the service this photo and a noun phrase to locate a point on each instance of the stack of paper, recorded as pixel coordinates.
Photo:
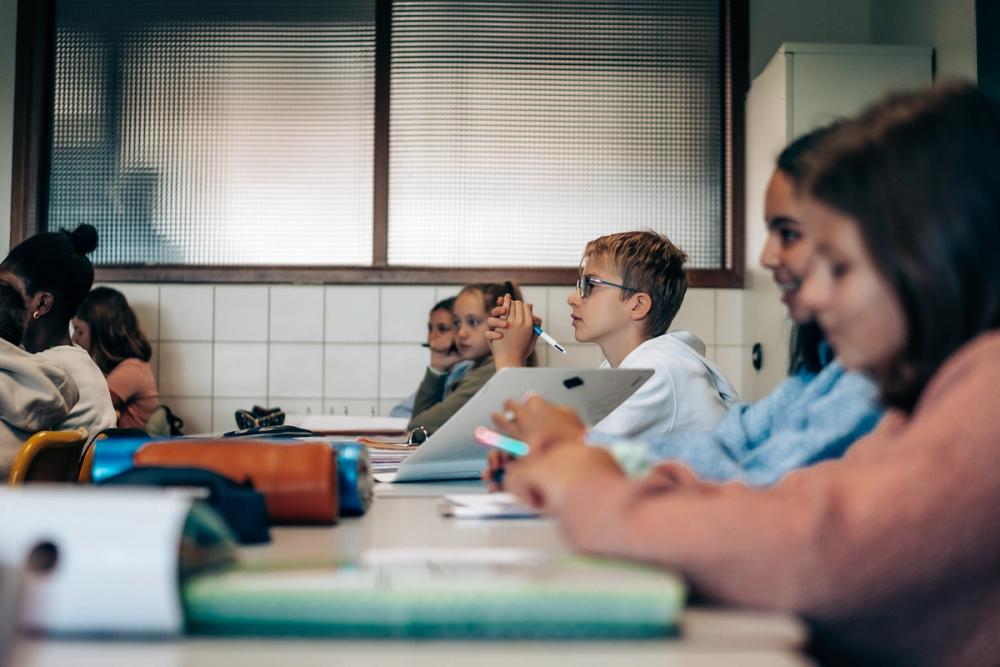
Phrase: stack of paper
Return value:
(485, 506)
(388, 460)
(386, 454)
(345, 424)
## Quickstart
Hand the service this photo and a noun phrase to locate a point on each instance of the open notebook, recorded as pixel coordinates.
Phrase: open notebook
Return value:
(440, 593)
(452, 453)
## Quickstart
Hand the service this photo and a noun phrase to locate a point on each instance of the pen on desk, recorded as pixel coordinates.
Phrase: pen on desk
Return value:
(549, 339)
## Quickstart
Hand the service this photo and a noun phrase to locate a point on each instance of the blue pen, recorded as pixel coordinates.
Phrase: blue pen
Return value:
(549, 339)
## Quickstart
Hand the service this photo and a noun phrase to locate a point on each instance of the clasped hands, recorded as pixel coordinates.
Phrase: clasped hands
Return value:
(511, 332)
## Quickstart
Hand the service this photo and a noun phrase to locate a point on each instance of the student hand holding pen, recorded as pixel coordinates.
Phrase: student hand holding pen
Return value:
(538, 423)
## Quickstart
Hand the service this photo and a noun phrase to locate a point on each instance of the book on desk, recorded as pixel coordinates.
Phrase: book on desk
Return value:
(485, 593)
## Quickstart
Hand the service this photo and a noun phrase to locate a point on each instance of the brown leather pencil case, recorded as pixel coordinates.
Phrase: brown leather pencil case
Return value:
(299, 481)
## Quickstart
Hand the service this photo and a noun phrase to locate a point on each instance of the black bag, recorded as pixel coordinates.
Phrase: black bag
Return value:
(243, 508)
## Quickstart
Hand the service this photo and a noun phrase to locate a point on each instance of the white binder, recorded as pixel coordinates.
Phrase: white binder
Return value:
(115, 554)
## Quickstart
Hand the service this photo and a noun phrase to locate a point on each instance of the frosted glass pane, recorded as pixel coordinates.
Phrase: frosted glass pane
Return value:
(519, 131)
(216, 132)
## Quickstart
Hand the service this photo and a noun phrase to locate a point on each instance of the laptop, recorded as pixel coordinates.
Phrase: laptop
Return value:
(452, 453)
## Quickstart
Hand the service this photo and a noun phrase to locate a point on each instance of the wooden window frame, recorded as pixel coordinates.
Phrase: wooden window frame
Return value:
(33, 100)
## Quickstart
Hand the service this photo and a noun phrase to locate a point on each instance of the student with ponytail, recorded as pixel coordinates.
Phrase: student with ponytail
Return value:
(34, 395)
(53, 273)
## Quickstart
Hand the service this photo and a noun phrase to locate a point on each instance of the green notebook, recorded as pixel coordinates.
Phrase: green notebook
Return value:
(428, 593)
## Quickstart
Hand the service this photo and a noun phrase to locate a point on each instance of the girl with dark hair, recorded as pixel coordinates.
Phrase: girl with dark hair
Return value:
(891, 552)
(106, 326)
(819, 411)
(436, 402)
(53, 273)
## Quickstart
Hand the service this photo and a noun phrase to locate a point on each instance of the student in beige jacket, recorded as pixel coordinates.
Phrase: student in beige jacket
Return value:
(34, 394)
(892, 553)
(53, 273)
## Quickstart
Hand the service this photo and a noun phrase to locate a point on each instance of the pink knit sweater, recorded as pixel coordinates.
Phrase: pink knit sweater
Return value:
(891, 553)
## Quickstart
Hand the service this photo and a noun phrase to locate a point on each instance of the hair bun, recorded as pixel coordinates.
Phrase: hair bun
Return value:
(84, 239)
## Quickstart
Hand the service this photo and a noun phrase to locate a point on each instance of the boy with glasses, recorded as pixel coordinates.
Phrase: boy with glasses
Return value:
(630, 288)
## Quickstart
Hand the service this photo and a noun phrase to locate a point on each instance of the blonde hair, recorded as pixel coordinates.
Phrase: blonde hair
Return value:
(646, 262)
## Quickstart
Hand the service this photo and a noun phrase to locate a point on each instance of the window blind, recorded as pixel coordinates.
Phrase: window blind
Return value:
(520, 130)
(215, 132)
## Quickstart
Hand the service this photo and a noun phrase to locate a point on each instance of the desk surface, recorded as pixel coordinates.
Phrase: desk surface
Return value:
(406, 516)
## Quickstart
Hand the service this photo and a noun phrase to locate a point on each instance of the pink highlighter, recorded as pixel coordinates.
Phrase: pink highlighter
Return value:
(490, 438)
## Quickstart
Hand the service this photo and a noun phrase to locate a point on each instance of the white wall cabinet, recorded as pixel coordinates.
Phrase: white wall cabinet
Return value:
(803, 87)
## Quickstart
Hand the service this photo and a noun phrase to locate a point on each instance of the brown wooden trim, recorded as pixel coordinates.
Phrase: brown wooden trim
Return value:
(380, 192)
(400, 275)
(736, 47)
(33, 92)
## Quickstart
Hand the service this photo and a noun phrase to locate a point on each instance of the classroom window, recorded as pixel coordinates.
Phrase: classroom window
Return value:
(520, 130)
(504, 134)
(215, 132)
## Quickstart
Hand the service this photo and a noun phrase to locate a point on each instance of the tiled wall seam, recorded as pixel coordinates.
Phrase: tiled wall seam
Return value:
(211, 409)
(267, 372)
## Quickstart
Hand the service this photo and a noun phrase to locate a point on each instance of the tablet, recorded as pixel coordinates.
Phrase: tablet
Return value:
(452, 452)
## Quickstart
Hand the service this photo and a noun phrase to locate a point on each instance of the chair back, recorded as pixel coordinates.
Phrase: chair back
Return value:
(87, 463)
(49, 456)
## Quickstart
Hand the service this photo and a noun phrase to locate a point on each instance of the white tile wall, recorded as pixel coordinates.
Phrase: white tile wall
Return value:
(296, 370)
(354, 407)
(538, 297)
(401, 368)
(186, 312)
(351, 370)
(240, 369)
(729, 317)
(356, 347)
(577, 356)
(241, 313)
(352, 314)
(186, 369)
(729, 359)
(297, 313)
(558, 323)
(299, 406)
(697, 314)
(403, 313)
(385, 405)
(442, 292)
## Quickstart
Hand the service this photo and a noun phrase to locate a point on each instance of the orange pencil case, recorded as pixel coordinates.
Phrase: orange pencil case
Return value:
(299, 481)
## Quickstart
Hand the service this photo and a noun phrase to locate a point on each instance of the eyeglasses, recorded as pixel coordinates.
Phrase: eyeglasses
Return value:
(585, 283)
